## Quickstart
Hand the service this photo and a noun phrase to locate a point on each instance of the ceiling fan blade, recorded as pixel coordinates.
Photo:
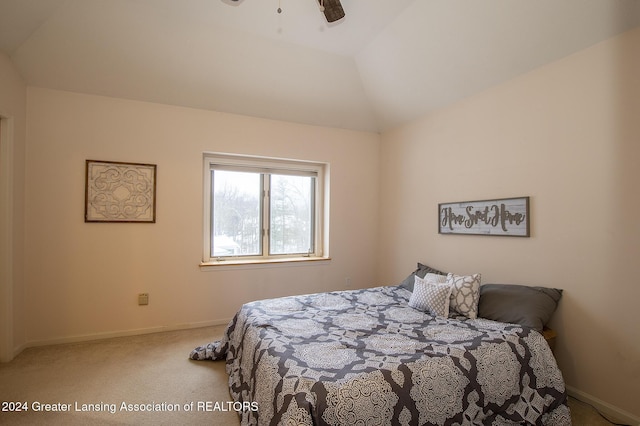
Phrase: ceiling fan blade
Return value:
(333, 10)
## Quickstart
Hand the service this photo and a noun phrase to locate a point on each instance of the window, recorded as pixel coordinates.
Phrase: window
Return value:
(263, 210)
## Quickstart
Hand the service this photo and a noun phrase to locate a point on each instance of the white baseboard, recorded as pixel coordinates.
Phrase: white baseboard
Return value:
(17, 350)
(610, 411)
(122, 333)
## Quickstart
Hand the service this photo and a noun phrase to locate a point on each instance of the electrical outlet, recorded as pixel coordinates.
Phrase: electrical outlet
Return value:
(347, 282)
(143, 299)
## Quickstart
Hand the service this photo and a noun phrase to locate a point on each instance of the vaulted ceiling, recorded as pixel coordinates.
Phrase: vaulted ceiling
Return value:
(387, 62)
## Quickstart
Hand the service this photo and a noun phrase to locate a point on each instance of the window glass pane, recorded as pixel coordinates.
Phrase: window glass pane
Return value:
(292, 214)
(236, 213)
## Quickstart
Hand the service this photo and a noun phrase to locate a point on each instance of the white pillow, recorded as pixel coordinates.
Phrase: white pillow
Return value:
(465, 294)
(435, 278)
(430, 296)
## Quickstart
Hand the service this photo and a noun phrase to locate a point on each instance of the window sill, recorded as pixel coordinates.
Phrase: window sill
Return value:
(258, 263)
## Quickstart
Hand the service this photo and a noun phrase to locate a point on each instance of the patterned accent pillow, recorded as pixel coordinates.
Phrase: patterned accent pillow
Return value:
(465, 294)
(430, 296)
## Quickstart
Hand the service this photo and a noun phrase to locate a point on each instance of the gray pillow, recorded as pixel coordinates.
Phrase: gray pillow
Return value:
(421, 272)
(518, 304)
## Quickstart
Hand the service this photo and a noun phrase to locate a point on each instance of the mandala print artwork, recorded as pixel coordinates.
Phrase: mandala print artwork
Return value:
(120, 192)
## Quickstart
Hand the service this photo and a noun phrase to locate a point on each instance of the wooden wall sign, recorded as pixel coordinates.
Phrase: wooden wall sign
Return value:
(503, 217)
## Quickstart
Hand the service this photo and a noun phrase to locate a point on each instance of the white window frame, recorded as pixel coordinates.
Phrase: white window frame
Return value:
(268, 165)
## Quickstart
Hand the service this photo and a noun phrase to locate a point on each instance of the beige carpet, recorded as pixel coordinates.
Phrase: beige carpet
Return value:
(153, 368)
(149, 369)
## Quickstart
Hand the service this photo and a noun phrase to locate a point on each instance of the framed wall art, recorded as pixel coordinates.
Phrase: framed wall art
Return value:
(120, 192)
(503, 217)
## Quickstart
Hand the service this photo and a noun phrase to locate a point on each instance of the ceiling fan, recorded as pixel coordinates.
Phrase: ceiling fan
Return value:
(332, 9)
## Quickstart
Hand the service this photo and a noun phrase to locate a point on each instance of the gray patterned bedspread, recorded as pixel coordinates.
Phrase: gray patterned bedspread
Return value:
(366, 357)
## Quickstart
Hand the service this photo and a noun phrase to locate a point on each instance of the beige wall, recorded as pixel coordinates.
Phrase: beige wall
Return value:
(13, 114)
(83, 278)
(567, 135)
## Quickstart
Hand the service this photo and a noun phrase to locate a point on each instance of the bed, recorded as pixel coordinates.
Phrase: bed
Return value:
(367, 357)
